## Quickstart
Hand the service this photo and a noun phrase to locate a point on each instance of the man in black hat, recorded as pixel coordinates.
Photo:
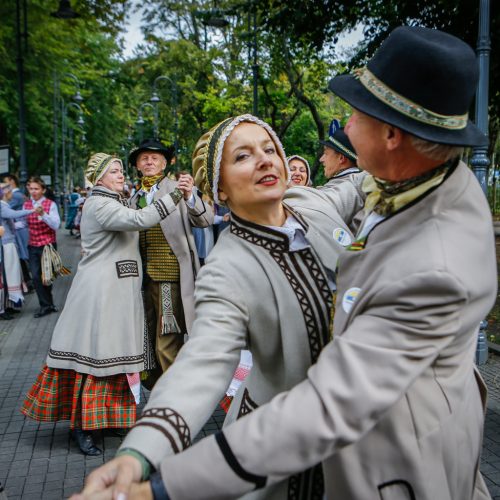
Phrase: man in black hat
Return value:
(394, 406)
(339, 158)
(168, 252)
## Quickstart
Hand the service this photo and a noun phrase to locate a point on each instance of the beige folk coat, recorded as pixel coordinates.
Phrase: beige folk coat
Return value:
(101, 328)
(177, 231)
(394, 405)
(253, 293)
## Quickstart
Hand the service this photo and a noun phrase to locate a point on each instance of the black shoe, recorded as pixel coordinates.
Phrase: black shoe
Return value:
(5, 315)
(44, 311)
(54, 308)
(85, 443)
(11, 310)
(118, 431)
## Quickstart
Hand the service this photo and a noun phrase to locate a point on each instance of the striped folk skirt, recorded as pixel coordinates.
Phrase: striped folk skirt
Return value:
(88, 402)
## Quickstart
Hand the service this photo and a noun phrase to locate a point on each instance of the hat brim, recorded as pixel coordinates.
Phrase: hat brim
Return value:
(330, 144)
(348, 88)
(166, 152)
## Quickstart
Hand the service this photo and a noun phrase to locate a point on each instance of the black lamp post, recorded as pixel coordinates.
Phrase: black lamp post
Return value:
(155, 99)
(78, 99)
(21, 17)
(140, 120)
(480, 161)
(65, 11)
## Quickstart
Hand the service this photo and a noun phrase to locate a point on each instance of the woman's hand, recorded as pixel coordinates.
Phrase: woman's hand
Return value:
(113, 479)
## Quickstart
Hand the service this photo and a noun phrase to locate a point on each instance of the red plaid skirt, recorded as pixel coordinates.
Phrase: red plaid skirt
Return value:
(88, 402)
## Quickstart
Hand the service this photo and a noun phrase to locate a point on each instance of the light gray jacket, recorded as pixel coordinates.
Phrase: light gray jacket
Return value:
(101, 328)
(394, 405)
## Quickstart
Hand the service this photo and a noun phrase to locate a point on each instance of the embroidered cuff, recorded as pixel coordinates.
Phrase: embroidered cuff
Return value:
(161, 207)
(176, 195)
(145, 465)
(157, 487)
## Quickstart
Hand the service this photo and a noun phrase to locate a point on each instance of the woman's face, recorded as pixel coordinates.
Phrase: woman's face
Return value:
(298, 172)
(253, 174)
(113, 179)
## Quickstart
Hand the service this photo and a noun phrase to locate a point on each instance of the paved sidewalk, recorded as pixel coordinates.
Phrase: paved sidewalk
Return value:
(38, 460)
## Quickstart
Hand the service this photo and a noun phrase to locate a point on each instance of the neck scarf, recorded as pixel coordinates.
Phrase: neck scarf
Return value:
(387, 197)
(148, 182)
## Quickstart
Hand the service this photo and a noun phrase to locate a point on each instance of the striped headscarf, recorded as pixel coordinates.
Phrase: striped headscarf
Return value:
(207, 154)
(98, 165)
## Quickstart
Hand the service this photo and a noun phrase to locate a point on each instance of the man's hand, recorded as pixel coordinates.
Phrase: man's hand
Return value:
(185, 184)
(39, 210)
(113, 480)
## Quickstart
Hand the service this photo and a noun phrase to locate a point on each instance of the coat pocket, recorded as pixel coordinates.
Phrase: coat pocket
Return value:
(399, 489)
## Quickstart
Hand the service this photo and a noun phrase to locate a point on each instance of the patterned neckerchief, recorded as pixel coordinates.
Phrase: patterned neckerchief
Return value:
(148, 182)
(387, 197)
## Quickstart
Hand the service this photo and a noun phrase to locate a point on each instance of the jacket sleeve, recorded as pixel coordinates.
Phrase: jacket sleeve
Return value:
(347, 196)
(359, 376)
(201, 214)
(113, 216)
(185, 396)
(9, 213)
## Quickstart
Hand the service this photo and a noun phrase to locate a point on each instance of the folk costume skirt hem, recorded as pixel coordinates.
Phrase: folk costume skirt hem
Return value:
(88, 402)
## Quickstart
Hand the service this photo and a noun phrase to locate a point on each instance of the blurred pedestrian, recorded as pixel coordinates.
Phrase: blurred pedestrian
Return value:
(300, 172)
(42, 233)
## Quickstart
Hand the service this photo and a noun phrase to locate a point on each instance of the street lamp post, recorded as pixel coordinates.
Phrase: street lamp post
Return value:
(155, 99)
(57, 95)
(140, 119)
(480, 161)
(255, 65)
(23, 171)
(80, 122)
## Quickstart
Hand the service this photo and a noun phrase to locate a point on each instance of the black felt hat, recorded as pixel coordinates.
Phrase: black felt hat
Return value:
(151, 145)
(338, 140)
(420, 80)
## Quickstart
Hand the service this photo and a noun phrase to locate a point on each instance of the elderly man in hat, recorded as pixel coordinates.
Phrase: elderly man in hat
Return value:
(168, 252)
(394, 406)
(338, 158)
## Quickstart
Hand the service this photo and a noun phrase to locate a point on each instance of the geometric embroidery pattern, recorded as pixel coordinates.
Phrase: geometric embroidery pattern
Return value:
(247, 404)
(172, 419)
(306, 291)
(127, 268)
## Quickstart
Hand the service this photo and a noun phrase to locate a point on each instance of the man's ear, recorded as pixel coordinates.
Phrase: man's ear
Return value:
(392, 136)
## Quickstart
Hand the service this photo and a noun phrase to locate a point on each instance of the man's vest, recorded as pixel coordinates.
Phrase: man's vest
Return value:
(40, 233)
(158, 259)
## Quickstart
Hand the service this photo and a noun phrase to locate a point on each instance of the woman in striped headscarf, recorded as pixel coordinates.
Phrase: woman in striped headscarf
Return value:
(99, 345)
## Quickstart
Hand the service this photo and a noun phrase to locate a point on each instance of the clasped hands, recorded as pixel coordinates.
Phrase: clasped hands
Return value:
(118, 479)
(39, 210)
(185, 184)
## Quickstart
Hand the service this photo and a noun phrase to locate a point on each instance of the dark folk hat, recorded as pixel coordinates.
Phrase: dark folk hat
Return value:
(338, 140)
(420, 80)
(151, 145)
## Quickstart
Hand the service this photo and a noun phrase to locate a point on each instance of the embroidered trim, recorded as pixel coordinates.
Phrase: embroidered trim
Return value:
(342, 148)
(127, 268)
(114, 196)
(232, 461)
(172, 418)
(403, 105)
(96, 363)
(308, 484)
(247, 404)
(316, 316)
(161, 208)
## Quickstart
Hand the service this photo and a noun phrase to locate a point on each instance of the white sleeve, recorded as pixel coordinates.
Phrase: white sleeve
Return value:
(52, 219)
